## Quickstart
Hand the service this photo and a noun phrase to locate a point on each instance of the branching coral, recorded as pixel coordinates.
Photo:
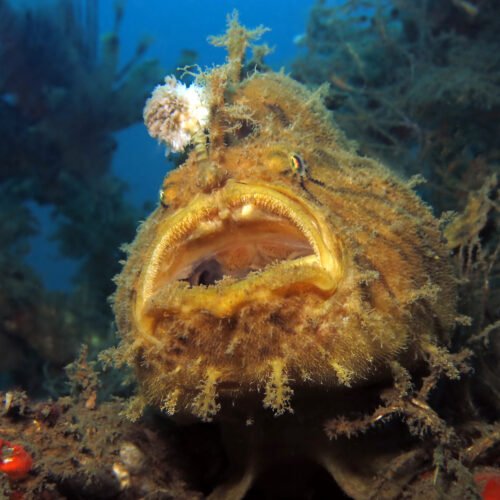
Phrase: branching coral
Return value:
(61, 101)
(417, 84)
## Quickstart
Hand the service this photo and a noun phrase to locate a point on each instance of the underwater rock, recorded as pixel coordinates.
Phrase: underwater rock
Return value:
(281, 273)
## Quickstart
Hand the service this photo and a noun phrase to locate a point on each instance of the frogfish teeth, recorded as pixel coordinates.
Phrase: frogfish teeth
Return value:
(278, 262)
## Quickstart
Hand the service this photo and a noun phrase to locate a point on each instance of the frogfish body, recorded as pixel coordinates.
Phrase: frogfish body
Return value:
(278, 261)
(251, 274)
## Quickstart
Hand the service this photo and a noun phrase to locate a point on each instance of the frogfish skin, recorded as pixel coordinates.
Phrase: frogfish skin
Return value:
(279, 262)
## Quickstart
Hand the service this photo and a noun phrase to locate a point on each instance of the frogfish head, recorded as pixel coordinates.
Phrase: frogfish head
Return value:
(277, 261)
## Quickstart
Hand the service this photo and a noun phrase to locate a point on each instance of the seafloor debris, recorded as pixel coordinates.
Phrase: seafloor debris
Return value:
(88, 451)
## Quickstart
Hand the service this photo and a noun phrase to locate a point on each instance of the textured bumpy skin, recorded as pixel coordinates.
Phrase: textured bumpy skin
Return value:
(277, 262)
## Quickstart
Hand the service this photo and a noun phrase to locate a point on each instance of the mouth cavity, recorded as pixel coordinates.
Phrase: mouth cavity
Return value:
(248, 238)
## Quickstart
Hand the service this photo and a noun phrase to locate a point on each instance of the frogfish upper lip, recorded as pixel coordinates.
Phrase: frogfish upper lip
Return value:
(241, 243)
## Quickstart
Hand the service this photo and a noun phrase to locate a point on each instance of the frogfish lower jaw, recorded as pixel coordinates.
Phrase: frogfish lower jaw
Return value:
(245, 240)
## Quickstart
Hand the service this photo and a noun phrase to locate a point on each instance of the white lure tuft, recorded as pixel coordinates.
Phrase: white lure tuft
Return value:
(175, 113)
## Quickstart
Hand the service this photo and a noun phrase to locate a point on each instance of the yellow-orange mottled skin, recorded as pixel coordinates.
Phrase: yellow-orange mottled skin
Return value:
(377, 286)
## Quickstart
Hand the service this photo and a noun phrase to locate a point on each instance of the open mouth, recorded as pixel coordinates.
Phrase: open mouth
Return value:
(220, 250)
(248, 239)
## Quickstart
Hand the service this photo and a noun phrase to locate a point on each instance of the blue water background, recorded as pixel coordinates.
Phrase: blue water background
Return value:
(174, 26)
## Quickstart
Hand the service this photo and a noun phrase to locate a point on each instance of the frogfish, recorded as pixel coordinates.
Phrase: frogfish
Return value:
(281, 272)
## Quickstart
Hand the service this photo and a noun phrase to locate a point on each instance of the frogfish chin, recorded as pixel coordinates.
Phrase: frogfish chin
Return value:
(278, 263)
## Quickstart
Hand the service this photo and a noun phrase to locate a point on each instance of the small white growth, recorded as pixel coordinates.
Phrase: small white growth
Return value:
(175, 113)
